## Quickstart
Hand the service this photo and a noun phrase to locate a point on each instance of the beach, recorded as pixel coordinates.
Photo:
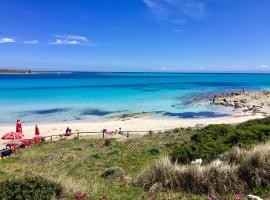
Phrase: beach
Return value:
(143, 124)
(91, 102)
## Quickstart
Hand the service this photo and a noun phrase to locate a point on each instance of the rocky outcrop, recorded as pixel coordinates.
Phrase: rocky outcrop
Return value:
(251, 102)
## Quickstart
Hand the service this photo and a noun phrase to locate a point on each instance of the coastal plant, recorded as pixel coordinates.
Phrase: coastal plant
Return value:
(108, 142)
(216, 178)
(211, 141)
(155, 151)
(95, 156)
(113, 172)
(80, 195)
(29, 188)
(115, 152)
(254, 168)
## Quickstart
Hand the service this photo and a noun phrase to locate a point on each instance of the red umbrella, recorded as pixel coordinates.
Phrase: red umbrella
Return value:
(19, 126)
(12, 136)
(37, 132)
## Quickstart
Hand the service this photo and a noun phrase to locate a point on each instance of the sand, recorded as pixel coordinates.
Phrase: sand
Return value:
(132, 124)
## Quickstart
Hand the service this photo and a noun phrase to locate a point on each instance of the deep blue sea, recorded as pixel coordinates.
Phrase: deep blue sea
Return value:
(90, 96)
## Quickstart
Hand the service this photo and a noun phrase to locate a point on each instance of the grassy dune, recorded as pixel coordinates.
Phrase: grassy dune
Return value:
(113, 169)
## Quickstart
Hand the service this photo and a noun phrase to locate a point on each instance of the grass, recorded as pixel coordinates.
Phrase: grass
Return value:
(78, 165)
(248, 171)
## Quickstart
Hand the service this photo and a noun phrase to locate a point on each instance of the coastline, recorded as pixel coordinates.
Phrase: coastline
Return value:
(132, 124)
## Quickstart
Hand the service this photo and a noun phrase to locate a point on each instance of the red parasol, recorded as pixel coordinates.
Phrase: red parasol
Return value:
(37, 132)
(12, 136)
(19, 127)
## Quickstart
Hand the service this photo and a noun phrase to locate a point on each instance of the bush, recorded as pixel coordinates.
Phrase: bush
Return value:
(115, 152)
(95, 156)
(155, 151)
(209, 142)
(29, 188)
(108, 142)
(113, 172)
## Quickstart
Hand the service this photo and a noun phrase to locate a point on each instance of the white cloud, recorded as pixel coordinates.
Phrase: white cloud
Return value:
(7, 40)
(69, 39)
(264, 66)
(176, 11)
(166, 69)
(31, 42)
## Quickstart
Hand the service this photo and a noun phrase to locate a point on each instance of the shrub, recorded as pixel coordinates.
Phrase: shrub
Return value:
(80, 195)
(29, 188)
(95, 156)
(108, 142)
(113, 172)
(154, 151)
(176, 130)
(115, 152)
(211, 141)
(77, 149)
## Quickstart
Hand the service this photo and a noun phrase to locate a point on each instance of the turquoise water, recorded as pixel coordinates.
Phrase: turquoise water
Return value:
(83, 96)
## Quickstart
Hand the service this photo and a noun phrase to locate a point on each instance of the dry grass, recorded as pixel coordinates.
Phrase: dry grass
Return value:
(254, 168)
(240, 170)
(215, 178)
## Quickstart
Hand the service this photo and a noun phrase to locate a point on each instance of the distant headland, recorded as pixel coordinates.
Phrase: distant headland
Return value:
(14, 71)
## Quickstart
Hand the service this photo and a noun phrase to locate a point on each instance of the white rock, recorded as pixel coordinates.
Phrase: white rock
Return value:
(197, 161)
(253, 197)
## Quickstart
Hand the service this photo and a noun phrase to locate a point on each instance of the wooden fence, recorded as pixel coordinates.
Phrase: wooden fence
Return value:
(103, 135)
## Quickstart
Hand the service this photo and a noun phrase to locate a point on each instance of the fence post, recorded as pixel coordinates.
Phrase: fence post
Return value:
(51, 137)
(127, 135)
(78, 135)
(103, 134)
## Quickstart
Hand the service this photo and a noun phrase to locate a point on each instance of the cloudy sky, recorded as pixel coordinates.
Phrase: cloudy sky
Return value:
(135, 35)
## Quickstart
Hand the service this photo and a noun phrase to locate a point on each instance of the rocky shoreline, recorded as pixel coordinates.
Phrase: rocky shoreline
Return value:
(247, 102)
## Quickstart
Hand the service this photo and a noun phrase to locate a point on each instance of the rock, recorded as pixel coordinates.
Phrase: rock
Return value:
(157, 187)
(237, 105)
(197, 161)
(253, 197)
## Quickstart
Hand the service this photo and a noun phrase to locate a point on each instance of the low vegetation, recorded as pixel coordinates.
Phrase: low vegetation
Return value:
(250, 169)
(145, 167)
(209, 142)
(29, 187)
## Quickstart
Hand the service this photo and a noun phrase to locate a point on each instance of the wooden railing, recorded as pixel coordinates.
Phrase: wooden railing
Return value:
(79, 135)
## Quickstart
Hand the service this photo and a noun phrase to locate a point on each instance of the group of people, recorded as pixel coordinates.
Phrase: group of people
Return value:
(117, 131)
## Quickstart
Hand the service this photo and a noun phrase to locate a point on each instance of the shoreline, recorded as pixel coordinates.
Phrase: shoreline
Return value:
(133, 124)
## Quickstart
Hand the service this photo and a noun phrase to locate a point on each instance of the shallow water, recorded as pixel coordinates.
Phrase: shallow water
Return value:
(82, 96)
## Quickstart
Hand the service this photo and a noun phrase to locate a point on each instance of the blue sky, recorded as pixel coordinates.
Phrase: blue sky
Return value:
(135, 35)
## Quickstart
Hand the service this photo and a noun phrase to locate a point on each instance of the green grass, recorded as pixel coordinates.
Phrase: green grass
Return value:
(78, 164)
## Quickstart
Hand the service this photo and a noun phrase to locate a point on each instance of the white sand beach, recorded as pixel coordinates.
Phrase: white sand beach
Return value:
(133, 124)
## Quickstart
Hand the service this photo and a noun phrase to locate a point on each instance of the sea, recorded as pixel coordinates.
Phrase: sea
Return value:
(88, 96)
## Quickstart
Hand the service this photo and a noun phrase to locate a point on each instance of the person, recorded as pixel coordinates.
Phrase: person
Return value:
(120, 131)
(68, 132)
